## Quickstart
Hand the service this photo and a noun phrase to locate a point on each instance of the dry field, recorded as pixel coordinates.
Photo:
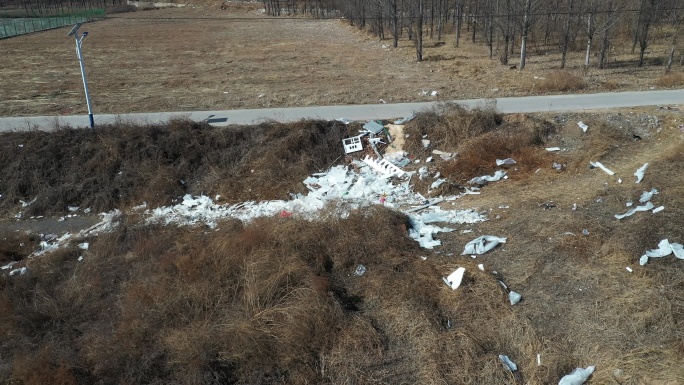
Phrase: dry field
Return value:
(207, 58)
(276, 301)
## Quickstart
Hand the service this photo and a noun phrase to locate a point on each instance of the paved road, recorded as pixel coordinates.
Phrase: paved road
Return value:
(362, 112)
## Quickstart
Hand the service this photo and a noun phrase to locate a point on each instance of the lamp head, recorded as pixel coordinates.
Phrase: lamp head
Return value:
(74, 29)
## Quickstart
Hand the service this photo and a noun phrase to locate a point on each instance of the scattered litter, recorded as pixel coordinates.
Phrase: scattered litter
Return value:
(382, 101)
(483, 180)
(444, 155)
(514, 297)
(482, 244)
(9, 265)
(628, 269)
(552, 149)
(583, 126)
(574, 207)
(438, 218)
(344, 120)
(406, 119)
(577, 377)
(619, 180)
(438, 183)
(558, 166)
(639, 173)
(25, 204)
(20, 271)
(360, 270)
(664, 249)
(645, 207)
(538, 359)
(507, 161)
(585, 232)
(424, 258)
(629, 204)
(352, 144)
(466, 231)
(426, 143)
(423, 172)
(428, 160)
(510, 365)
(658, 209)
(398, 158)
(433, 93)
(373, 127)
(454, 279)
(602, 167)
(72, 209)
(383, 166)
(84, 246)
(647, 195)
(481, 267)
(547, 205)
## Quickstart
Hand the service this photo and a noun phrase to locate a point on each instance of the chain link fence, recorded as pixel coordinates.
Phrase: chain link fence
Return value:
(18, 26)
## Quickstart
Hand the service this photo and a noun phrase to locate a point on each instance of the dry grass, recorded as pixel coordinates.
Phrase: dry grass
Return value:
(673, 79)
(276, 301)
(561, 81)
(124, 164)
(206, 58)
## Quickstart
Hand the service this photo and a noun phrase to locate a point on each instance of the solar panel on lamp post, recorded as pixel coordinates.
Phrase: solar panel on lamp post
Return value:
(79, 40)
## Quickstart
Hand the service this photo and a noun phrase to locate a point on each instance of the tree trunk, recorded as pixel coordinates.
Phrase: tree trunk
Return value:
(566, 35)
(523, 38)
(419, 30)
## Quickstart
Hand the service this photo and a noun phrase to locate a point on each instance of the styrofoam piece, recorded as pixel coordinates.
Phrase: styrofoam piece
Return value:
(482, 244)
(383, 166)
(639, 173)
(438, 183)
(577, 377)
(583, 126)
(344, 120)
(352, 144)
(646, 207)
(480, 180)
(481, 267)
(507, 161)
(514, 297)
(664, 249)
(426, 143)
(602, 167)
(647, 195)
(510, 365)
(84, 246)
(454, 279)
(20, 271)
(658, 209)
(552, 149)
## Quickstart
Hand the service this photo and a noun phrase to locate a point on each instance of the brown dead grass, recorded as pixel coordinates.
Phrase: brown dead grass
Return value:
(125, 164)
(205, 58)
(561, 81)
(671, 80)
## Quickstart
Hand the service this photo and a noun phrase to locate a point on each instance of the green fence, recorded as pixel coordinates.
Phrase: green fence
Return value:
(14, 27)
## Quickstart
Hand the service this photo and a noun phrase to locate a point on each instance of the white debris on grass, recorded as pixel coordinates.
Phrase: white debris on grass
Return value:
(20, 271)
(84, 246)
(647, 195)
(552, 149)
(639, 173)
(583, 126)
(658, 209)
(664, 249)
(454, 279)
(438, 183)
(406, 119)
(602, 167)
(507, 161)
(353, 189)
(577, 377)
(645, 207)
(514, 297)
(481, 180)
(106, 224)
(343, 120)
(481, 267)
(510, 365)
(482, 244)
(9, 265)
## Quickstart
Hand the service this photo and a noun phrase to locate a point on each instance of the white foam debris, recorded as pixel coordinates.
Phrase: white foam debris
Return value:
(514, 297)
(352, 189)
(20, 271)
(9, 265)
(481, 180)
(647, 195)
(84, 246)
(454, 279)
(577, 377)
(646, 207)
(482, 244)
(639, 173)
(583, 126)
(664, 249)
(602, 167)
(552, 149)
(507, 161)
(106, 224)
(658, 209)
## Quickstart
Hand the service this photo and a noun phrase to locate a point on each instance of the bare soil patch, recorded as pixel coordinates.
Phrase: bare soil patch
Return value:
(208, 58)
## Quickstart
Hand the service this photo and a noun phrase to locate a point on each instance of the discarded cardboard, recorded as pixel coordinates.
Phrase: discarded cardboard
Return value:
(577, 377)
(482, 244)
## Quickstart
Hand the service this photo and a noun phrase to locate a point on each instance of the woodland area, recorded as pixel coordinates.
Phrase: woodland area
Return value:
(508, 27)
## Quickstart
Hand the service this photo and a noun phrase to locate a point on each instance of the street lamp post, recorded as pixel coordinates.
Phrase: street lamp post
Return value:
(79, 40)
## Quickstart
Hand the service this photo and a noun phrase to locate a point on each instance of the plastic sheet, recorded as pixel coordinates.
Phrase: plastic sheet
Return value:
(577, 377)
(483, 244)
